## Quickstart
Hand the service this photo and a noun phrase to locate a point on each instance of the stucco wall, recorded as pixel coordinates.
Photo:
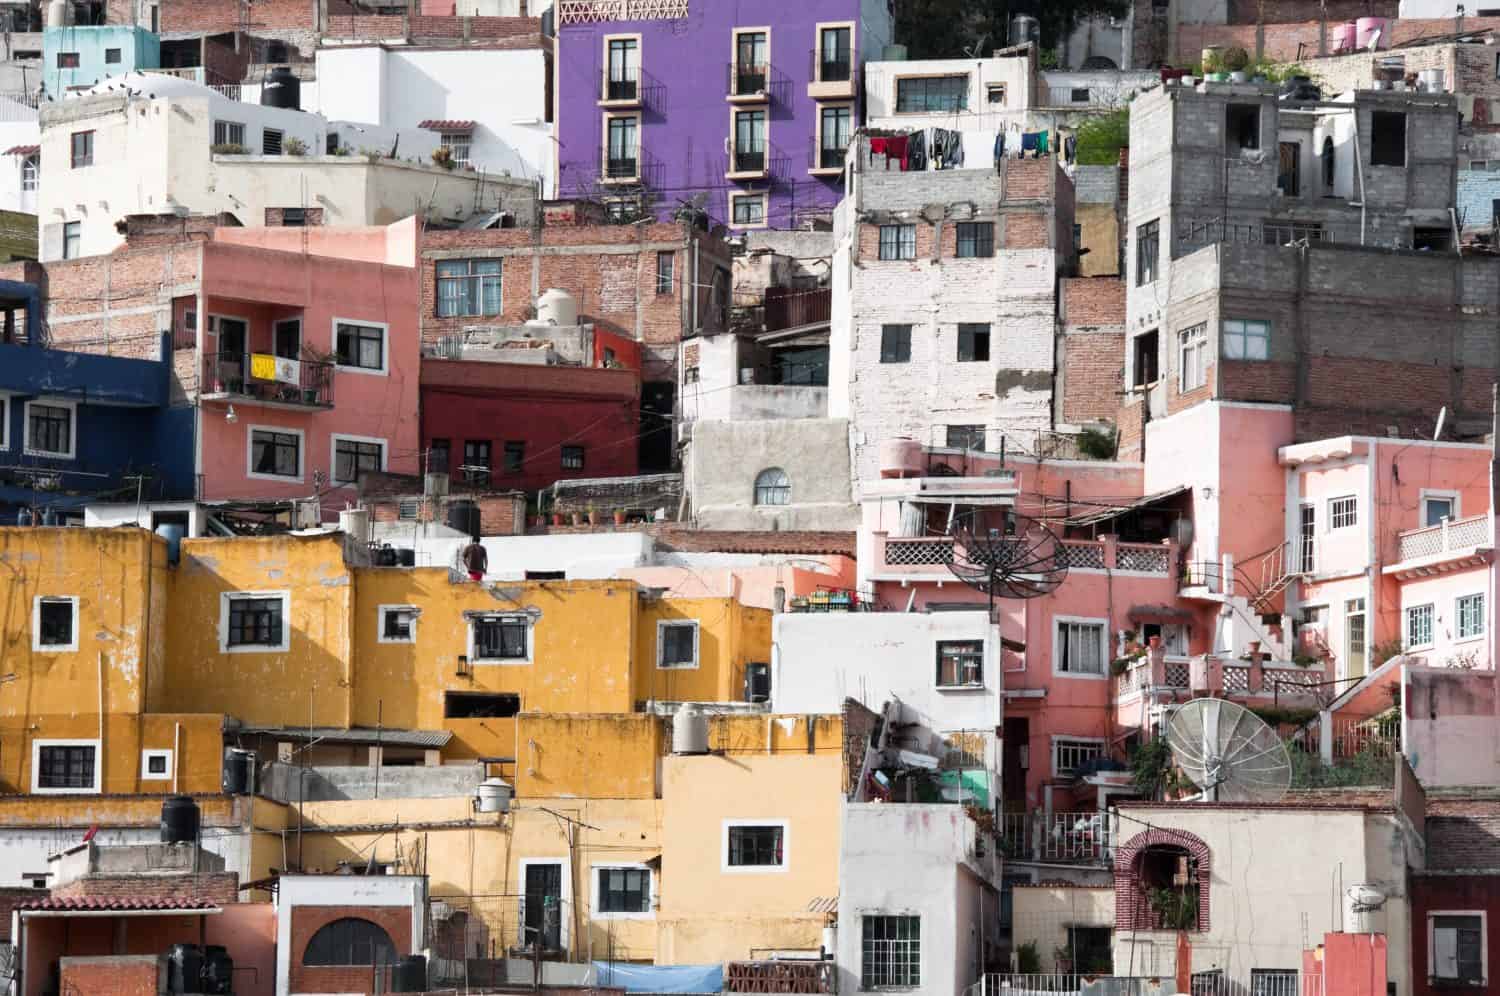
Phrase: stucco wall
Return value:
(813, 452)
(1042, 914)
(1450, 733)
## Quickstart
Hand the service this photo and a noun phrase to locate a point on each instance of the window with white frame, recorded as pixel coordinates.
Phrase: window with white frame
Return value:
(50, 429)
(1457, 948)
(677, 644)
(458, 144)
(755, 845)
(360, 347)
(398, 624)
(468, 287)
(156, 765)
(54, 624)
(1418, 629)
(1192, 354)
(275, 454)
(504, 639)
(1068, 755)
(353, 456)
(890, 952)
(1080, 647)
(1246, 340)
(229, 133)
(1437, 507)
(30, 169)
(748, 209)
(252, 621)
(1343, 512)
(622, 890)
(64, 766)
(960, 663)
(1470, 612)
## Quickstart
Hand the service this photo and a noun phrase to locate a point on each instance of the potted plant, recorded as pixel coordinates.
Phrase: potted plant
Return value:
(576, 518)
(1120, 665)
(443, 156)
(619, 516)
(1062, 960)
(557, 518)
(593, 515)
(1028, 959)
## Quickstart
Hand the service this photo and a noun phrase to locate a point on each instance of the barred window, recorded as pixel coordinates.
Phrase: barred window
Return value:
(960, 663)
(891, 952)
(255, 622)
(1343, 512)
(65, 766)
(1470, 612)
(350, 941)
(501, 637)
(1418, 626)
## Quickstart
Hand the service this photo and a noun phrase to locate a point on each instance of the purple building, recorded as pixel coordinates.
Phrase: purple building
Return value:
(744, 107)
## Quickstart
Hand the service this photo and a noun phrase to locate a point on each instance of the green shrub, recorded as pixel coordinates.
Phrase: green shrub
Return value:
(1097, 444)
(1102, 136)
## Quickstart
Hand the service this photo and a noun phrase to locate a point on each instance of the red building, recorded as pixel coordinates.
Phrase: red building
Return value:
(1455, 899)
(525, 425)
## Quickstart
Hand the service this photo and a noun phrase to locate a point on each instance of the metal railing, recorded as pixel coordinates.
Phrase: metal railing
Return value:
(787, 308)
(1445, 537)
(750, 162)
(787, 976)
(839, 69)
(1082, 554)
(307, 383)
(1202, 984)
(1380, 735)
(918, 551)
(1143, 558)
(1084, 837)
(748, 80)
(620, 83)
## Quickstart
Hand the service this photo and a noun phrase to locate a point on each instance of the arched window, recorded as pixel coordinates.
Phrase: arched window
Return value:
(1327, 165)
(350, 941)
(773, 487)
(1162, 882)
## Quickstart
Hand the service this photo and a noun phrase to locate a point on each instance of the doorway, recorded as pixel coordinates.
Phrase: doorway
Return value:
(542, 903)
(1014, 762)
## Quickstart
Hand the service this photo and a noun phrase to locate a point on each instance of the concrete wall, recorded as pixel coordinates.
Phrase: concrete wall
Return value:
(1450, 733)
(813, 452)
(1042, 914)
(292, 783)
(1015, 73)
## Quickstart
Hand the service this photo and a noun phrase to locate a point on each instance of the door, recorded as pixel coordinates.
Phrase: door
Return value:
(543, 905)
(234, 340)
(1016, 739)
(289, 339)
(656, 442)
(1354, 638)
(1307, 539)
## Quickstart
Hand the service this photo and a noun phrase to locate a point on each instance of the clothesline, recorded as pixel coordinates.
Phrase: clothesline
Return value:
(917, 150)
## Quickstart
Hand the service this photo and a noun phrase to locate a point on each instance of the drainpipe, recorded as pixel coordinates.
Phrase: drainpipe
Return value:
(100, 660)
(1359, 172)
(176, 753)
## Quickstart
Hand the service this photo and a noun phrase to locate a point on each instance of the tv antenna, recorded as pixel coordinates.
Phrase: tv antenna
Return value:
(1230, 753)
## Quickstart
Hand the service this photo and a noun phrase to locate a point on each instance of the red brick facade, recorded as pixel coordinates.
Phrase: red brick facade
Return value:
(307, 920)
(213, 887)
(115, 304)
(1476, 893)
(1093, 315)
(1132, 908)
(1027, 179)
(1026, 230)
(121, 975)
(499, 515)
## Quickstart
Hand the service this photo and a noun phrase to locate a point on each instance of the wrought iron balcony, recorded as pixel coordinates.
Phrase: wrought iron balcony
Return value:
(271, 380)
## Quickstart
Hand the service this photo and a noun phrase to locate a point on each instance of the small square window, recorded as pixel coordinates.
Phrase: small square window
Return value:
(398, 624)
(1242, 126)
(407, 509)
(55, 624)
(976, 239)
(994, 93)
(254, 621)
(898, 242)
(156, 765)
(895, 343)
(960, 663)
(501, 638)
(1343, 512)
(572, 458)
(755, 846)
(67, 60)
(623, 890)
(65, 766)
(515, 456)
(111, 56)
(749, 209)
(973, 342)
(50, 429)
(890, 952)
(360, 347)
(1078, 95)
(676, 645)
(275, 454)
(1418, 629)
(1436, 508)
(1246, 340)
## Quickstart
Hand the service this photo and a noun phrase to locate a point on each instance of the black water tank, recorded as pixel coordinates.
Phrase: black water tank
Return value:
(281, 88)
(239, 771)
(218, 970)
(757, 682)
(407, 556)
(179, 821)
(410, 975)
(184, 967)
(464, 516)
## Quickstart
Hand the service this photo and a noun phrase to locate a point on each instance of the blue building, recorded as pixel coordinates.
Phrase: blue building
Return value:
(78, 427)
(81, 55)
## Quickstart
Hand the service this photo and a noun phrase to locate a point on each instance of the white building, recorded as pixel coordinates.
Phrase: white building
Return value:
(20, 143)
(919, 899)
(503, 128)
(960, 94)
(145, 144)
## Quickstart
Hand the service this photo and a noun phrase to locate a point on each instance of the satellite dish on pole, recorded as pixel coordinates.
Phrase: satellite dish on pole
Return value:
(1007, 555)
(1230, 753)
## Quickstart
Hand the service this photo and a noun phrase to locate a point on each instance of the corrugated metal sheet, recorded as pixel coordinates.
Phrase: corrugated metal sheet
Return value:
(357, 735)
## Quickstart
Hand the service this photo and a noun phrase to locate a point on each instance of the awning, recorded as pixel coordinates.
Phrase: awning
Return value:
(22, 150)
(1165, 613)
(1103, 513)
(446, 124)
(929, 498)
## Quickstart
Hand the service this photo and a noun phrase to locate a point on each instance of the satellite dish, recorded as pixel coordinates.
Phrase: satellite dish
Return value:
(1230, 753)
(1007, 555)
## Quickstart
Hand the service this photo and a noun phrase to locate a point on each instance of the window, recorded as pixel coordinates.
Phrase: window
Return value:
(1418, 631)
(835, 62)
(1285, 233)
(156, 765)
(111, 56)
(407, 509)
(1343, 512)
(752, 845)
(773, 487)
(64, 766)
(500, 638)
(973, 342)
(1246, 340)
(360, 347)
(895, 343)
(1354, 637)
(1387, 138)
(751, 61)
(1147, 357)
(350, 941)
(1329, 164)
(749, 141)
(834, 127)
(270, 142)
(468, 287)
(515, 455)
(1070, 754)
(1147, 249)
(476, 468)
(748, 209)
(960, 663)
(1457, 948)
(437, 456)
(83, 149)
(459, 145)
(624, 71)
(572, 458)
(1080, 648)
(994, 93)
(891, 952)
(1470, 612)
(254, 621)
(623, 890)
(976, 239)
(49, 429)
(622, 142)
(965, 437)
(275, 454)
(1436, 508)
(72, 239)
(1078, 95)
(398, 624)
(665, 263)
(1242, 126)
(67, 60)
(480, 705)
(1192, 353)
(29, 168)
(353, 456)
(54, 624)
(932, 94)
(898, 241)
(1092, 951)
(676, 644)
(1431, 239)
(229, 133)
(1289, 168)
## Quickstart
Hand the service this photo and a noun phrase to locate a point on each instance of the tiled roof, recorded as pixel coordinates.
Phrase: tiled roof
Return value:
(446, 124)
(1463, 842)
(122, 904)
(22, 150)
(728, 541)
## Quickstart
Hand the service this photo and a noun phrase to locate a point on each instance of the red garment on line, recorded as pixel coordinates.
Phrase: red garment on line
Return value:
(893, 147)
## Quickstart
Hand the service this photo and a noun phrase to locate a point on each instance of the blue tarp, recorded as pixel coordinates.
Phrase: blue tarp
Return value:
(661, 978)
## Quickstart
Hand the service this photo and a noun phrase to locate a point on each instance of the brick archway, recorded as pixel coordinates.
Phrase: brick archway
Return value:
(1132, 909)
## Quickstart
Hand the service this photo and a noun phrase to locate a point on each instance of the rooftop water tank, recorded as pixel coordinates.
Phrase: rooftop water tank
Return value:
(689, 730)
(557, 307)
(494, 796)
(179, 820)
(1025, 28)
(1344, 36)
(1364, 910)
(893, 53)
(282, 89)
(355, 523)
(1372, 29)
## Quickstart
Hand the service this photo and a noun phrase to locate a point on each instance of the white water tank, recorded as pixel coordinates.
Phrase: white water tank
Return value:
(1364, 910)
(494, 796)
(689, 730)
(557, 307)
(59, 13)
(355, 522)
(436, 485)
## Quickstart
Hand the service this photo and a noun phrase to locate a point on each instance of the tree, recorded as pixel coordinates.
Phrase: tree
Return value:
(954, 29)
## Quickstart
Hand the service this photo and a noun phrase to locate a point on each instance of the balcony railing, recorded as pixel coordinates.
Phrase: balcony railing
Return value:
(270, 379)
(1203, 984)
(787, 308)
(839, 69)
(597, 11)
(1221, 676)
(748, 80)
(750, 162)
(1085, 837)
(789, 976)
(1446, 537)
(1138, 558)
(621, 83)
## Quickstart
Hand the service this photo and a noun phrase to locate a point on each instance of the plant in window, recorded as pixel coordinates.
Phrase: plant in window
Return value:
(228, 149)
(443, 156)
(1176, 908)
(293, 147)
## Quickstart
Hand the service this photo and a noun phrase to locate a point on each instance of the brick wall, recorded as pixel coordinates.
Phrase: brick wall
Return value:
(1292, 40)
(211, 16)
(307, 920)
(214, 887)
(859, 723)
(12, 896)
(226, 61)
(1027, 179)
(1335, 11)
(118, 304)
(276, 217)
(117, 975)
(491, 32)
(1093, 368)
(1131, 421)
(1026, 230)
(499, 515)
